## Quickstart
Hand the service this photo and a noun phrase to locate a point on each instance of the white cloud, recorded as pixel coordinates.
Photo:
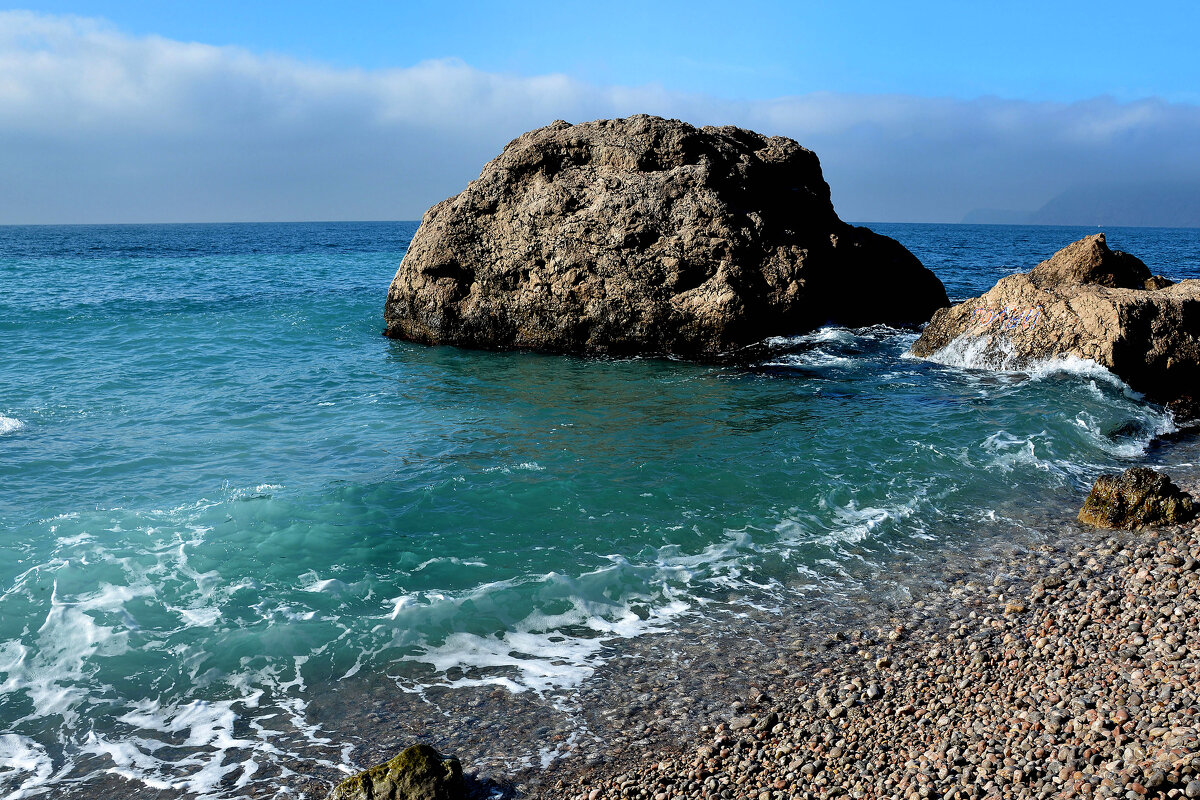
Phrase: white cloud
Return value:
(97, 125)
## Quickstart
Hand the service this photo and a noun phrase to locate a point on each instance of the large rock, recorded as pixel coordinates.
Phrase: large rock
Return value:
(1137, 498)
(418, 773)
(646, 235)
(1186, 410)
(1086, 301)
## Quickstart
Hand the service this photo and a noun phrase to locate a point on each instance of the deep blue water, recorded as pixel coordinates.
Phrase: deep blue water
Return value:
(225, 492)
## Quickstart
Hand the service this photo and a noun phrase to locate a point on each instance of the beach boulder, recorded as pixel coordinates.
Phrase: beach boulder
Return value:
(1137, 498)
(418, 773)
(647, 236)
(1089, 302)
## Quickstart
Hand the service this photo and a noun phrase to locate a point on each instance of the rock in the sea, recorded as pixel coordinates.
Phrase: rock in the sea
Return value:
(1137, 498)
(647, 236)
(418, 773)
(1185, 410)
(1086, 301)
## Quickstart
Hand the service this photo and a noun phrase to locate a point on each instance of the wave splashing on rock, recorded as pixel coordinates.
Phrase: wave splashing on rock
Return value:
(1086, 302)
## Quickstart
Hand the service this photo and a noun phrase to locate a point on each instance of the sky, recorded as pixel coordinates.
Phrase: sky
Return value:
(265, 111)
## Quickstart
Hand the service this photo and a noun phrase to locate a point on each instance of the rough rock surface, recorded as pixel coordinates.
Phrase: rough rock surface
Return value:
(647, 236)
(1186, 410)
(418, 773)
(1138, 498)
(1086, 301)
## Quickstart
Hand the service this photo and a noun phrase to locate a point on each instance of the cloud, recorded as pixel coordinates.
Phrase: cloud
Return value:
(98, 126)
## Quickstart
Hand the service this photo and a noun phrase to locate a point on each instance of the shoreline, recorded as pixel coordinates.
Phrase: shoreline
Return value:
(659, 699)
(948, 701)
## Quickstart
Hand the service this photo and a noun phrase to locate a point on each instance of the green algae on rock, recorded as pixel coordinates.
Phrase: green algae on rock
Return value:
(1137, 498)
(417, 773)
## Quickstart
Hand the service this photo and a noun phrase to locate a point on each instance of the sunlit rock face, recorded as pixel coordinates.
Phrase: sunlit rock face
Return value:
(1088, 302)
(647, 236)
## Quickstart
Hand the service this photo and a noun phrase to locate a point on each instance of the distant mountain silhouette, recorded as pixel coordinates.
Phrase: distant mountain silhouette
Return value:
(1175, 205)
(1161, 205)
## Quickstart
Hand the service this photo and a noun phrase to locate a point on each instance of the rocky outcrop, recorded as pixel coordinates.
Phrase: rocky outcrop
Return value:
(418, 773)
(1086, 301)
(647, 236)
(1186, 411)
(1137, 498)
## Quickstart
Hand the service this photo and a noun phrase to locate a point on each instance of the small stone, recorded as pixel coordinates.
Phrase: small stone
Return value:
(768, 722)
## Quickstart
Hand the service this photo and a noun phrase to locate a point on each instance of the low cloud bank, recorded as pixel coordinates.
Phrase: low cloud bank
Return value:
(100, 126)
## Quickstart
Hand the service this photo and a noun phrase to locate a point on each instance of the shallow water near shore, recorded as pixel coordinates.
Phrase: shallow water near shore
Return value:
(245, 538)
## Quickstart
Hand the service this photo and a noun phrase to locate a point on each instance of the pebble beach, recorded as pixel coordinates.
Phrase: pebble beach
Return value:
(1069, 671)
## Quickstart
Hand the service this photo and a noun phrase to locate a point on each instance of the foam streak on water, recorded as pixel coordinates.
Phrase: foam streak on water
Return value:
(230, 502)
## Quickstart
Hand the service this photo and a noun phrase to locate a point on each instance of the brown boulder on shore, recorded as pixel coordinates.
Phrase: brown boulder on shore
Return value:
(647, 236)
(1137, 498)
(1086, 301)
(417, 773)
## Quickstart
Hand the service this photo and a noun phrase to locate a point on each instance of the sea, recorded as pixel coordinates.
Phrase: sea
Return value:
(248, 543)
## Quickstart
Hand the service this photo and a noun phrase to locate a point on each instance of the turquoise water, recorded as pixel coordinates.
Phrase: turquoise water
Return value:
(225, 493)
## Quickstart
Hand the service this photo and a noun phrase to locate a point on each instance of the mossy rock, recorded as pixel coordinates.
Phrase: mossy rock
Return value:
(418, 773)
(1137, 498)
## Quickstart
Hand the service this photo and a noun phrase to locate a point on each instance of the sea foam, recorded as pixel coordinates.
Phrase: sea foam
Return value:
(24, 766)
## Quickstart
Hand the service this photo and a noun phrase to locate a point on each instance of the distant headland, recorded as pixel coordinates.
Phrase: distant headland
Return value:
(1151, 205)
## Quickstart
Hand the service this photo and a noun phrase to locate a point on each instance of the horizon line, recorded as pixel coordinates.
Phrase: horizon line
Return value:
(859, 223)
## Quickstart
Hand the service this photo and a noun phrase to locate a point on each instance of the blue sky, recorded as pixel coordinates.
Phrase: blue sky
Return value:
(748, 50)
(301, 110)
